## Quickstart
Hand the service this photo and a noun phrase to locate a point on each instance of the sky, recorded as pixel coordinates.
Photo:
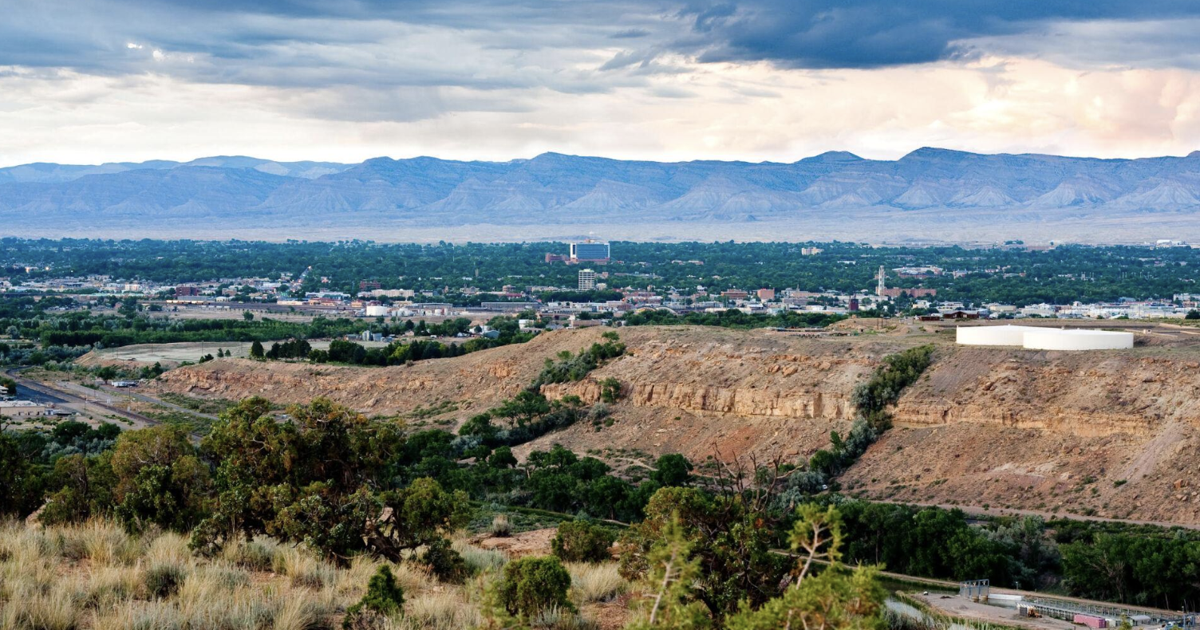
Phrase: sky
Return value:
(90, 81)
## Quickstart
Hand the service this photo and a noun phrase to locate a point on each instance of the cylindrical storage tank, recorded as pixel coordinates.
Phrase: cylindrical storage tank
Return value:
(992, 335)
(1077, 339)
(377, 310)
(1003, 600)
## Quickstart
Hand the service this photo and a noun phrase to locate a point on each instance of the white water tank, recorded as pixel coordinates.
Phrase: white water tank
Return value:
(1039, 338)
(992, 335)
(1005, 601)
(1077, 339)
(377, 310)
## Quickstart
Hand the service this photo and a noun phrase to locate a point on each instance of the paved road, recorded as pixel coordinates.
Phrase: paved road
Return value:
(39, 396)
(1012, 591)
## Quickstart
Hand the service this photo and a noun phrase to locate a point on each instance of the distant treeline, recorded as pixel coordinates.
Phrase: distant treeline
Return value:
(112, 332)
(401, 351)
(733, 318)
(1014, 276)
(1142, 565)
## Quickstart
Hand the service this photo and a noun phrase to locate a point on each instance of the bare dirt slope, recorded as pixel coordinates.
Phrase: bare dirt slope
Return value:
(1111, 433)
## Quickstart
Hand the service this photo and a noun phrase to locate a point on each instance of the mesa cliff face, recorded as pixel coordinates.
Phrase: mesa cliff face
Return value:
(738, 373)
(1113, 434)
(1103, 432)
(1087, 394)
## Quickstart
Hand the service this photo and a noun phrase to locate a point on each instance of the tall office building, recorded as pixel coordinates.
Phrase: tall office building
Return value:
(589, 251)
(587, 280)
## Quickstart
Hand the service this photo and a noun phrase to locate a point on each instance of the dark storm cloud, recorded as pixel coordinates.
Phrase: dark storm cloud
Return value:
(309, 43)
(522, 44)
(876, 33)
(632, 33)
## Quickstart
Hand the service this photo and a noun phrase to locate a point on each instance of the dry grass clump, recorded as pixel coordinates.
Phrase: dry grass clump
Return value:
(303, 568)
(167, 548)
(480, 560)
(55, 609)
(591, 582)
(137, 615)
(253, 555)
(301, 613)
(445, 610)
(555, 618)
(107, 586)
(500, 528)
(94, 576)
(105, 543)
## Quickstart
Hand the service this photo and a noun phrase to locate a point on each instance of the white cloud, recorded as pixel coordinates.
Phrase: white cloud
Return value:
(719, 111)
(497, 80)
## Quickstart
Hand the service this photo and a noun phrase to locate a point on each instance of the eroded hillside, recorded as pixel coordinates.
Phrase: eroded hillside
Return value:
(1114, 433)
(1110, 433)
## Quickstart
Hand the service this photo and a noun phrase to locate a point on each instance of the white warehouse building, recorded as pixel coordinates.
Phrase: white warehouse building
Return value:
(1037, 338)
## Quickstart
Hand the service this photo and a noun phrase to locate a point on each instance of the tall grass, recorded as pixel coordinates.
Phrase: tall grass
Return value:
(303, 568)
(254, 555)
(444, 610)
(94, 576)
(57, 609)
(591, 582)
(480, 560)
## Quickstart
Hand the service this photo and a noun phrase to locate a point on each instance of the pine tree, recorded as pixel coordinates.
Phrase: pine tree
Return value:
(668, 598)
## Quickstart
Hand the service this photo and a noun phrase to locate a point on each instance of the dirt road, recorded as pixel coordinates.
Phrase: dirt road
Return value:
(997, 511)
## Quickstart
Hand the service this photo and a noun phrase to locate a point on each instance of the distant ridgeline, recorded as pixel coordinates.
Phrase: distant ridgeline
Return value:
(561, 189)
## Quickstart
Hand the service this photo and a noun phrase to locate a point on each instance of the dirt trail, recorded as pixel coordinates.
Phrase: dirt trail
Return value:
(1001, 511)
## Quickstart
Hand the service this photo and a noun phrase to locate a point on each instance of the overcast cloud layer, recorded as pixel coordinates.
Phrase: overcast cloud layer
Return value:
(109, 80)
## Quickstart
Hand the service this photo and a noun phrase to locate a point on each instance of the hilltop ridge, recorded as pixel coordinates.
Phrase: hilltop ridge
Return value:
(1107, 433)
